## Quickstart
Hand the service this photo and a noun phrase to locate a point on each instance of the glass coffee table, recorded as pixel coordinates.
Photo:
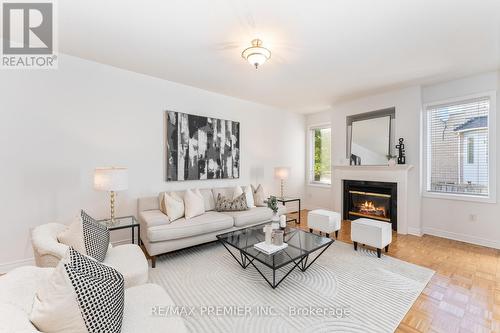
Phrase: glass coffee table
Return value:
(302, 251)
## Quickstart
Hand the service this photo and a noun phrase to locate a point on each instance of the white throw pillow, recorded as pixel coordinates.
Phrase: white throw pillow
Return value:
(259, 196)
(237, 192)
(193, 203)
(174, 206)
(249, 197)
(81, 295)
(73, 236)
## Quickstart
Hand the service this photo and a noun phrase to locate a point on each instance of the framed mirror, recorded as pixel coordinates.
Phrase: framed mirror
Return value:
(370, 137)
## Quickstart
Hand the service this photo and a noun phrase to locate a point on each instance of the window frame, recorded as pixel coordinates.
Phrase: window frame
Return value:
(310, 157)
(492, 141)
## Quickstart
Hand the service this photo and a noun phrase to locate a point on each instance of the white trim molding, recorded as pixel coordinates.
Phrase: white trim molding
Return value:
(8, 266)
(394, 174)
(493, 243)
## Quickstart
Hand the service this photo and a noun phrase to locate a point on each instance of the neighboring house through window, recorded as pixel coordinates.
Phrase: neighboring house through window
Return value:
(457, 147)
(320, 157)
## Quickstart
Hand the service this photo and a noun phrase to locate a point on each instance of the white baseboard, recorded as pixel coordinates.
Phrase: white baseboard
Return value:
(462, 237)
(313, 207)
(8, 266)
(415, 231)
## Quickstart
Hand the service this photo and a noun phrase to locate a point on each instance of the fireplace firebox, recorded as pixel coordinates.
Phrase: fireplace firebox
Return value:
(374, 200)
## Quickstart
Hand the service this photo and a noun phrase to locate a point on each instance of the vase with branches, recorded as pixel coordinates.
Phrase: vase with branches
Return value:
(272, 204)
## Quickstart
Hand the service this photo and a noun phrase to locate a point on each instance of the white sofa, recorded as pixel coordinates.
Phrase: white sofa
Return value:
(128, 259)
(19, 286)
(159, 235)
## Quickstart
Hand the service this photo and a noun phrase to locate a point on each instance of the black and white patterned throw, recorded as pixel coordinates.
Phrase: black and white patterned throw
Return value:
(95, 236)
(99, 290)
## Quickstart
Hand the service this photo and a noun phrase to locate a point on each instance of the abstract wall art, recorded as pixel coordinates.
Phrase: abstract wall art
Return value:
(201, 147)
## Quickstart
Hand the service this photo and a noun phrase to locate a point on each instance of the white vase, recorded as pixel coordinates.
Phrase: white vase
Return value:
(392, 162)
(276, 217)
(275, 221)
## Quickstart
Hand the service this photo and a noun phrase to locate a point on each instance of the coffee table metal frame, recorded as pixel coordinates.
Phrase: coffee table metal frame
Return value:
(246, 258)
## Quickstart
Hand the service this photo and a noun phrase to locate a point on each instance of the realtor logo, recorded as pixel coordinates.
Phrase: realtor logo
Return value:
(28, 35)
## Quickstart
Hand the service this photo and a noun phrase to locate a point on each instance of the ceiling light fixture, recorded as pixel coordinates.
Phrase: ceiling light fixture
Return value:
(256, 54)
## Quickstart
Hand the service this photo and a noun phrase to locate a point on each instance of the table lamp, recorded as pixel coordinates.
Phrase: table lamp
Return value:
(111, 179)
(282, 174)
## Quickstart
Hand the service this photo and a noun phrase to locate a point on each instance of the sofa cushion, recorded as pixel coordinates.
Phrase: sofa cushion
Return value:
(202, 224)
(253, 215)
(208, 199)
(14, 319)
(143, 311)
(18, 286)
(129, 260)
(153, 218)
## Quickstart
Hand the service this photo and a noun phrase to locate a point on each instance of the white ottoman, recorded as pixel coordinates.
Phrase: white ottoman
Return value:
(324, 221)
(371, 232)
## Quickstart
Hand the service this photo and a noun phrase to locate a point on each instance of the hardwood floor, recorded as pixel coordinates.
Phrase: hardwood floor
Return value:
(464, 293)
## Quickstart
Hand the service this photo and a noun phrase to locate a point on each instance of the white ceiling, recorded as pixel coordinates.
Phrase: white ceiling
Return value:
(323, 51)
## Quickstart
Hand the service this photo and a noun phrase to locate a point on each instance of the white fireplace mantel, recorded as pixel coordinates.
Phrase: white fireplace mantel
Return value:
(380, 173)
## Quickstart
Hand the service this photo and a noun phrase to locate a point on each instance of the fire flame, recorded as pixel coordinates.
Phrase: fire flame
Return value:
(369, 207)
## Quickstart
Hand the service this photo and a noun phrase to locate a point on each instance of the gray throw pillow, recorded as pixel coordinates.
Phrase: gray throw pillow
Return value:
(224, 204)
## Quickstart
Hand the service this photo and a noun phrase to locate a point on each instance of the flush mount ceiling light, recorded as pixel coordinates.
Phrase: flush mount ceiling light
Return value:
(256, 54)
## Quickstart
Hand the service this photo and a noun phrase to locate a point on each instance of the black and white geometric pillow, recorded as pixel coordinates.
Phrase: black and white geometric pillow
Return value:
(99, 291)
(95, 237)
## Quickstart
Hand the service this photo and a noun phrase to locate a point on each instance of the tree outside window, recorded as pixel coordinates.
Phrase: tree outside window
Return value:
(321, 138)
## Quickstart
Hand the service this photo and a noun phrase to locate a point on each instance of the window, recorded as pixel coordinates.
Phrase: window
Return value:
(321, 171)
(457, 147)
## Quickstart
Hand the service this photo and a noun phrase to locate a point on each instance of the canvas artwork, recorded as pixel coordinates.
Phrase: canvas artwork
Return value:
(202, 147)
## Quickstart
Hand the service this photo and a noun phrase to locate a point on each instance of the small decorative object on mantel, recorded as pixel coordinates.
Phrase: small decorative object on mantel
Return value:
(401, 152)
(391, 160)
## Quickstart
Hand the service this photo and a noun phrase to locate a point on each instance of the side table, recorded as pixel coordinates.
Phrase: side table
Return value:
(286, 200)
(124, 223)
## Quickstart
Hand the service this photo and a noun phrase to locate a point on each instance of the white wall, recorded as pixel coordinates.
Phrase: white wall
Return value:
(446, 218)
(452, 218)
(58, 125)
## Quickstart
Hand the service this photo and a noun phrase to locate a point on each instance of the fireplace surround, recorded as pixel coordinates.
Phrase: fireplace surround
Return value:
(370, 199)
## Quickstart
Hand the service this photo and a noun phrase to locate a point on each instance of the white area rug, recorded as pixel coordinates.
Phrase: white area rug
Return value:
(357, 291)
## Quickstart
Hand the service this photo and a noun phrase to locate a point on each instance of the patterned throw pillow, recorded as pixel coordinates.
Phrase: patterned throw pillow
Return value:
(81, 295)
(95, 236)
(224, 204)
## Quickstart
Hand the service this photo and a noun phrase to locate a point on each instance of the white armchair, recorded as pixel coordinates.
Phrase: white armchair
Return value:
(127, 259)
(19, 286)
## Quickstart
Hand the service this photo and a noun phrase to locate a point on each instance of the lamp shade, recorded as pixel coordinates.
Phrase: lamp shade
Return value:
(281, 172)
(111, 179)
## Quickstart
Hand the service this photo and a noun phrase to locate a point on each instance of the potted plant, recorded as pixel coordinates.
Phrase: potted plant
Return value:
(391, 159)
(272, 204)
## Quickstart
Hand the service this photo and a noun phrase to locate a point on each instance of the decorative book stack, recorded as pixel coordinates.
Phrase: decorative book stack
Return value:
(269, 248)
